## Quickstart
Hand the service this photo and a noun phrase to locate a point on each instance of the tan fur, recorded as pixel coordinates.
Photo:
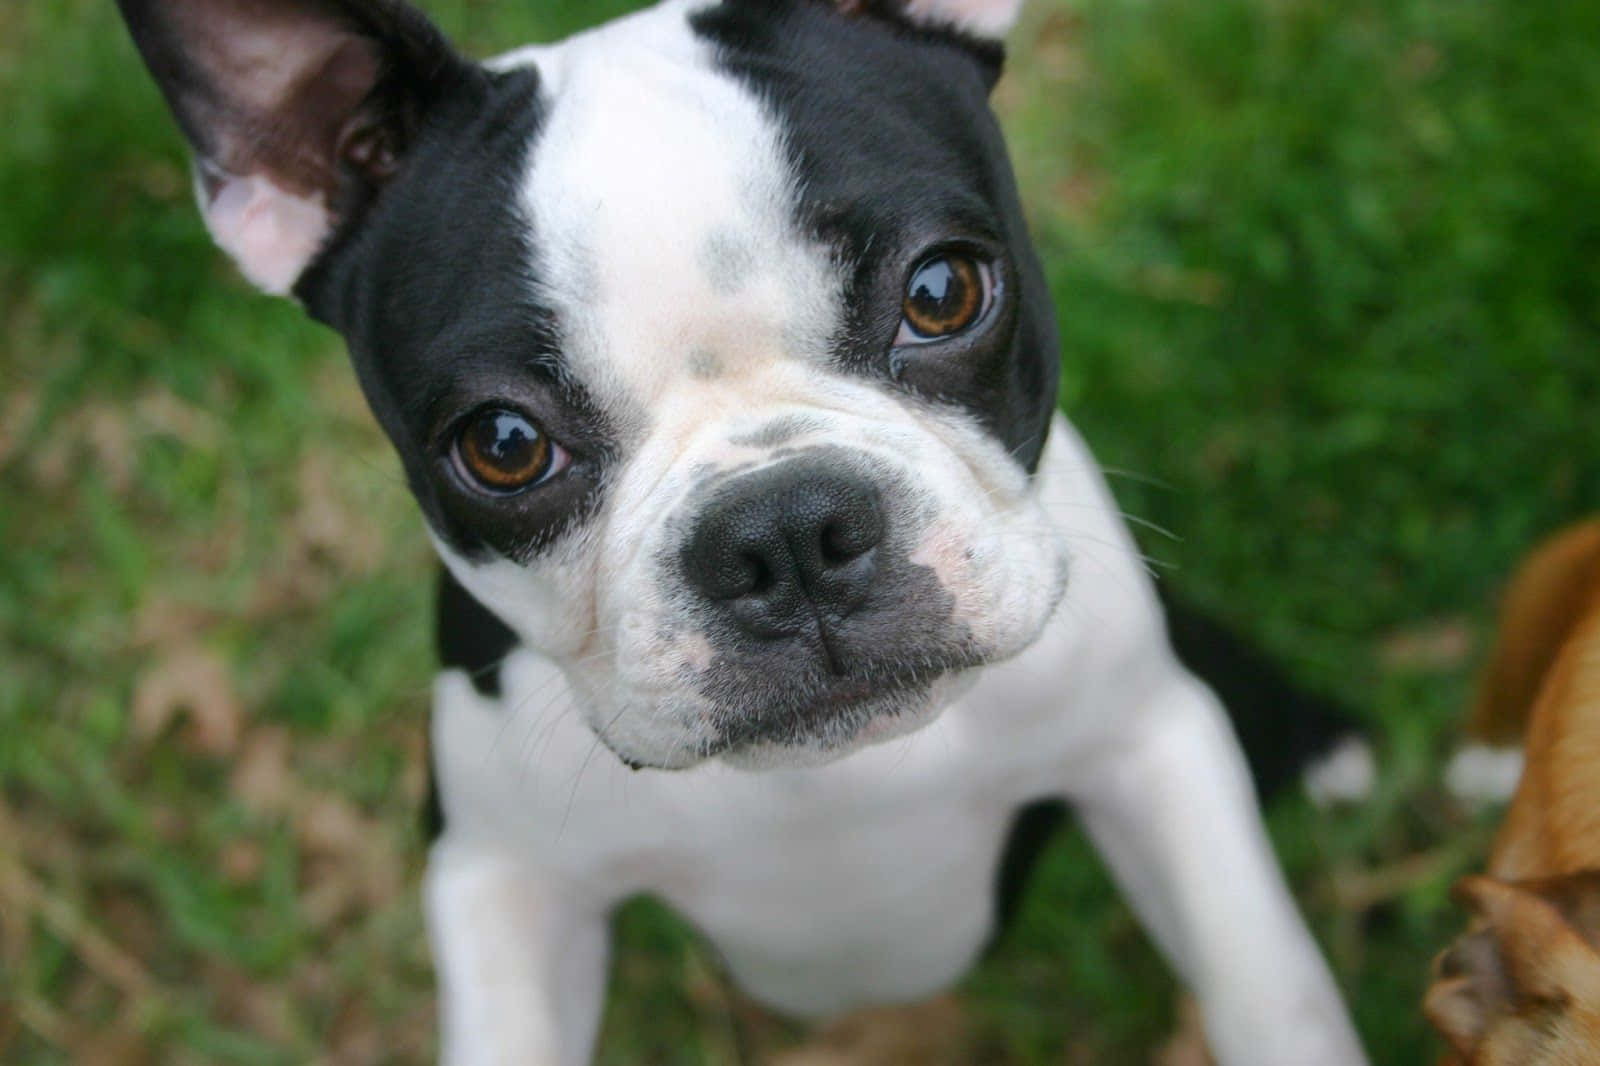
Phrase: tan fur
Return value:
(1522, 986)
(1553, 826)
(1551, 591)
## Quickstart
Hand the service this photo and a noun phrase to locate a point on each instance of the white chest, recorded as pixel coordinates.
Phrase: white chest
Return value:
(816, 915)
(868, 880)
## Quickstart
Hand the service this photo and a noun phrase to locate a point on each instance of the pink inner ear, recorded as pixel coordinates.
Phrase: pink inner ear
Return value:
(982, 18)
(271, 233)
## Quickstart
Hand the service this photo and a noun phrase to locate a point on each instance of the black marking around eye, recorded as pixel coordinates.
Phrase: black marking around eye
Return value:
(437, 294)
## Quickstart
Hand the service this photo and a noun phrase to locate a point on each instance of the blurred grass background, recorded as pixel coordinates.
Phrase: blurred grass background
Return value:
(1329, 282)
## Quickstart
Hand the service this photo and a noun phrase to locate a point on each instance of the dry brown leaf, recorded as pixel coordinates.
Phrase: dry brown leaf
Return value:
(107, 964)
(112, 443)
(1187, 1047)
(329, 825)
(331, 892)
(339, 397)
(160, 411)
(1080, 193)
(260, 1005)
(1434, 647)
(16, 419)
(286, 586)
(327, 525)
(262, 778)
(241, 861)
(356, 1039)
(196, 684)
(356, 853)
(16, 931)
(162, 622)
(925, 1034)
(170, 823)
(121, 1045)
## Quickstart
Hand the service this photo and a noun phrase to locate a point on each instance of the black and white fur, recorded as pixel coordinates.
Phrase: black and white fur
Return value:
(678, 244)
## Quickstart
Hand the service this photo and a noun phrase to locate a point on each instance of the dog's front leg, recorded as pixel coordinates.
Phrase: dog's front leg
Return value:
(1172, 811)
(521, 961)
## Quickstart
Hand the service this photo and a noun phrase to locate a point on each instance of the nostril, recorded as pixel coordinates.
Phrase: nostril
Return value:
(844, 541)
(851, 532)
(785, 541)
(759, 577)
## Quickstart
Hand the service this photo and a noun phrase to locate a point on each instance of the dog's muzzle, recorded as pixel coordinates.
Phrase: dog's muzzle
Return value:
(818, 621)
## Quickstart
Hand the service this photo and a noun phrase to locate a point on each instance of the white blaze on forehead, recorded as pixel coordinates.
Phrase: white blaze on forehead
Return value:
(660, 200)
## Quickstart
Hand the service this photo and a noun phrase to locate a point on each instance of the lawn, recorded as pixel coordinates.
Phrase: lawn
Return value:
(1329, 284)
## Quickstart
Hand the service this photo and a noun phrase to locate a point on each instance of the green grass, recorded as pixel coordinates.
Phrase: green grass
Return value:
(1327, 280)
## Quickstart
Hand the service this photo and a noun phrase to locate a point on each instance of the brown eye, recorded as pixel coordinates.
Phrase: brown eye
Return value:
(504, 452)
(946, 295)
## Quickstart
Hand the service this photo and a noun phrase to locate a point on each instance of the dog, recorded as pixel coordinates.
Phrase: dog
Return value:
(1522, 986)
(718, 359)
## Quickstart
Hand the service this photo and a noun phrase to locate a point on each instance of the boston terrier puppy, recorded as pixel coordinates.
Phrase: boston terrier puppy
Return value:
(721, 366)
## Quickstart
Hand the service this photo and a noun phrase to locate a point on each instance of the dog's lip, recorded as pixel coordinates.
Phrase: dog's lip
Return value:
(854, 707)
(849, 704)
(849, 707)
(850, 691)
(825, 692)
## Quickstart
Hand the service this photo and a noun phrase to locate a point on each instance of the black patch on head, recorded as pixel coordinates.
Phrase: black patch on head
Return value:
(435, 294)
(896, 154)
(990, 54)
(470, 637)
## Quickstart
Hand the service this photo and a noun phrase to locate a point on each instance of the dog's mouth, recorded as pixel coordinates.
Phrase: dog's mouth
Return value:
(758, 720)
(821, 716)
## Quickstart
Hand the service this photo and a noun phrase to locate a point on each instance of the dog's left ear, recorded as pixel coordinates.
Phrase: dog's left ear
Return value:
(298, 111)
(985, 21)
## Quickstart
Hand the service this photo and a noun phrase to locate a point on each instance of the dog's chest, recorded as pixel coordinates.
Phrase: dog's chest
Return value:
(868, 880)
(816, 908)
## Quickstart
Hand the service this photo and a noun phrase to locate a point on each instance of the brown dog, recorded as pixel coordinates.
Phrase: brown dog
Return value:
(1522, 986)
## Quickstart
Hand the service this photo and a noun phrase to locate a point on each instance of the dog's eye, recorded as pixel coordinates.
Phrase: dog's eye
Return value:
(946, 294)
(503, 452)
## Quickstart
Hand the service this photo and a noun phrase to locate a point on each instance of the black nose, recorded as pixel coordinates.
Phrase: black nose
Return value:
(787, 547)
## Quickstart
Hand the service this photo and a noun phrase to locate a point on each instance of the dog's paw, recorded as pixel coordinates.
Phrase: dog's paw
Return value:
(1522, 987)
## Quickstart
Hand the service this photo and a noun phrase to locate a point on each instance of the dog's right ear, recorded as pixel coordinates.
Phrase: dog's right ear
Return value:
(298, 111)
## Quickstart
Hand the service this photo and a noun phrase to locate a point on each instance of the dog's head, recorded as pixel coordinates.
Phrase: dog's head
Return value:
(711, 340)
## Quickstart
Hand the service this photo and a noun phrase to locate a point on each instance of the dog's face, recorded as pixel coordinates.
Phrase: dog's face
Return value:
(711, 340)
